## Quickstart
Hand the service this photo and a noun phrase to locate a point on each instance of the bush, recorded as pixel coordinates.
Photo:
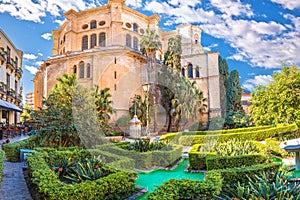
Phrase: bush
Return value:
(118, 185)
(223, 162)
(2, 161)
(266, 186)
(189, 189)
(145, 160)
(232, 176)
(236, 147)
(12, 150)
(198, 159)
(252, 135)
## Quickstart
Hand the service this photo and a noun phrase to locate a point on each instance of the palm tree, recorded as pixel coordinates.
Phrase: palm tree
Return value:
(150, 43)
(103, 106)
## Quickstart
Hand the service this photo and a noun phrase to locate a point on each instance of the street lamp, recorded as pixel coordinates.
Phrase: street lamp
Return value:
(146, 88)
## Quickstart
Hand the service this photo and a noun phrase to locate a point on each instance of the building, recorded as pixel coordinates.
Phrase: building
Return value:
(101, 45)
(246, 97)
(10, 78)
(29, 101)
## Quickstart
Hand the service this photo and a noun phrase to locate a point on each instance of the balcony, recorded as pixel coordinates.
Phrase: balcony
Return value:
(19, 72)
(19, 98)
(10, 65)
(2, 58)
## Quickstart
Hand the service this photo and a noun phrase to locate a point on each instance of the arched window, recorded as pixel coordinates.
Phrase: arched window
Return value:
(93, 24)
(190, 71)
(81, 69)
(128, 40)
(197, 72)
(102, 40)
(85, 42)
(74, 69)
(183, 72)
(135, 43)
(93, 41)
(135, 27)
(88, 70)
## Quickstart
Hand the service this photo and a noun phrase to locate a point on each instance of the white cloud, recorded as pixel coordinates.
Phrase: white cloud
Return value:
(232, 8)
(47, 36)
(39, 63)
(35, 10)
(208, 48)
(251, 84)
(40, 54)
(31, 69)
(30, 56)
(134, 3)
(289, 4)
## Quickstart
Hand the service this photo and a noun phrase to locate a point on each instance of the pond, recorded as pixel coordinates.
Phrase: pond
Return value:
(157, 177)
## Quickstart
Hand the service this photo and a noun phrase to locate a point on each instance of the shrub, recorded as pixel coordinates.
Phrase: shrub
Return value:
(163, 157)
(236, 147)
(189, 189)
(265, 186)
(252, 135)
(12, 150)
(239, 174)
(223, 162)
(198, 159)
(2, 160)
(117, 185)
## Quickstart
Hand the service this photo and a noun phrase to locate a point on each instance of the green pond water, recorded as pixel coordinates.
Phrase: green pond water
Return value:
(157, 177)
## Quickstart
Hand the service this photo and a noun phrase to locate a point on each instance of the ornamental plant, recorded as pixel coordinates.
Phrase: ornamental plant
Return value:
(236, 147)
(267, 186)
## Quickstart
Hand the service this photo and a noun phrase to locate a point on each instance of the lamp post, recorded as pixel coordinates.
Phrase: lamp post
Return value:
(135, 124)
(146, 88)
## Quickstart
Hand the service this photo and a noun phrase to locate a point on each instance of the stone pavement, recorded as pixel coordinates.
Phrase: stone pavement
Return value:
(13, 186)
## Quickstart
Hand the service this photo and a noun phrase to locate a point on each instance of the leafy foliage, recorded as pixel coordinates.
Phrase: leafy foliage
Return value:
(141, 109)
(72, 116)
(145, 145)
(273, 185)
(279, 101)
(236, 147)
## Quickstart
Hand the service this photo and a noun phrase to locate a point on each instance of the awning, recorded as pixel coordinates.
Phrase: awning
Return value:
(9, 106)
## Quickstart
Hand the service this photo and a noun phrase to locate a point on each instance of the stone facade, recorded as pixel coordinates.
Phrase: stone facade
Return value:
(101, 45)
(10, 79)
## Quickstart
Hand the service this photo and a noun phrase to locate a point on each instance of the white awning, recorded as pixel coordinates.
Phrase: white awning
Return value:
(9, 106)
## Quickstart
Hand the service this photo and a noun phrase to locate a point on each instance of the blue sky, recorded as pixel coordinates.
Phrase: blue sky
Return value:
(255, 37)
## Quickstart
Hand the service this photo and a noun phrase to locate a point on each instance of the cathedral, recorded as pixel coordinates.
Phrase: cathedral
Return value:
(102, 47)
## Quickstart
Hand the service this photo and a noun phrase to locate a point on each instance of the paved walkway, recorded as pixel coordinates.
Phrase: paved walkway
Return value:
(13, 186)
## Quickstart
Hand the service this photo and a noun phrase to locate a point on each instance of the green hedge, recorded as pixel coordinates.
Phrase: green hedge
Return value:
(198, 160)
(117, 185)
(2, 161)
(234, 175)
(252, 135)
(223, 162)
(145, 160)
(116, 161)
(174, 137)
(189, 189)
(12, 150)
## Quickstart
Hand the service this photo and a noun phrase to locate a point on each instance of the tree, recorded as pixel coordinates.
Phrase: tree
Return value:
(223, 71)
(173, 54)
(279, 101)
(103, 107)
(234, 92)
(141, 109)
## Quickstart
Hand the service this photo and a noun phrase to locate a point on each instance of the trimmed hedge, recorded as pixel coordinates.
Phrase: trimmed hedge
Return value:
(117, 185)
(116, 161)
(198, 160)
(12, 150)
(234, 175)
(145, 160)
(253, 135)
(218, 162)
(189, 189)
(2, 161)
(174, 137)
